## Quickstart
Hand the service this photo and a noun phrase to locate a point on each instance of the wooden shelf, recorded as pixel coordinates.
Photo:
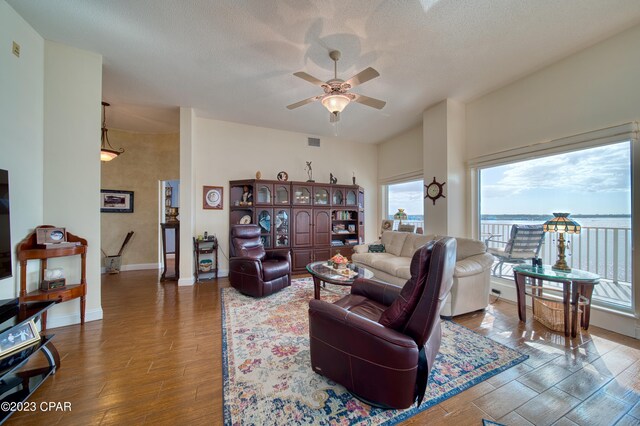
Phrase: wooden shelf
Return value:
(28, 249)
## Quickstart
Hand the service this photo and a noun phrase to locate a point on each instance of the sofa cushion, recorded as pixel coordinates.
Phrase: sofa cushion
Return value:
(368, 259)
(393, 241)
(392, 264)
(413, 242)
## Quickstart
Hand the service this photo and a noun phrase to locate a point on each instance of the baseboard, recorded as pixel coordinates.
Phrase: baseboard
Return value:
(135, 267)
(186, 281)
(54, 321)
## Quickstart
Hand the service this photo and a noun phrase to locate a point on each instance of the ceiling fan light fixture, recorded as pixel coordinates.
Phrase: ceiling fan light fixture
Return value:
(335, 102)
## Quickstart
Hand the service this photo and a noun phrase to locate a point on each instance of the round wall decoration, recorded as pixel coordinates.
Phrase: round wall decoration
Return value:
(434, 190)
(212, 197)
(283, 176)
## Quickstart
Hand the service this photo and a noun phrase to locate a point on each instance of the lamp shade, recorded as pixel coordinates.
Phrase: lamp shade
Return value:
(335, 102)
(108, 154)
(561, 223)
(400, 215)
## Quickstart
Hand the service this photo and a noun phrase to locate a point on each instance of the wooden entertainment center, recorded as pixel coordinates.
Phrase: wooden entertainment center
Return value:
(314, 220)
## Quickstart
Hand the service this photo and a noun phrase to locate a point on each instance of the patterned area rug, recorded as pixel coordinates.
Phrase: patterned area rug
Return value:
(267, 371)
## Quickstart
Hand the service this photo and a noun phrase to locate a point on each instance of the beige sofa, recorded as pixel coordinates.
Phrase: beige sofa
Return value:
(470, 291)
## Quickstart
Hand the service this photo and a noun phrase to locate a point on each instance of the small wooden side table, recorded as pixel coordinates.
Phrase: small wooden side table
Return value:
(576, 284)
(205, 247)
(165, 228)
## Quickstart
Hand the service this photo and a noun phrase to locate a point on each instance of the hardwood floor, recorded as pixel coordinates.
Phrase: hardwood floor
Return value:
(156, 359)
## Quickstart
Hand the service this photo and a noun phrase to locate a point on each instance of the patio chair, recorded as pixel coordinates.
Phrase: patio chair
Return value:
(406, 228)
(524, 243)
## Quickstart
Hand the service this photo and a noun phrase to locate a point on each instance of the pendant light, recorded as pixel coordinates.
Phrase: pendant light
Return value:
(107, 153)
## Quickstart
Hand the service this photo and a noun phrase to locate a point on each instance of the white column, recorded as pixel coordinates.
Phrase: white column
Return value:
(187, 192)
(444, 150)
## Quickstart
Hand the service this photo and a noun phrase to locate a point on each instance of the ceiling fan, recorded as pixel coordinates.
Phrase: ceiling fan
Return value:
(336, 91)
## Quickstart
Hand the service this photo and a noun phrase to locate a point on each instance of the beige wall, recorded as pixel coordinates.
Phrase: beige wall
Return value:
(224, 151)
(147, 160)
(21, 121)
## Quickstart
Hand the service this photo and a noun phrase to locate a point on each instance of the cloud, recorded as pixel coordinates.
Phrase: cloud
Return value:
(596, 170)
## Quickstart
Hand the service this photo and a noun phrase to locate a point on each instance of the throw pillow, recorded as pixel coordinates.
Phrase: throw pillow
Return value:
(376, 248)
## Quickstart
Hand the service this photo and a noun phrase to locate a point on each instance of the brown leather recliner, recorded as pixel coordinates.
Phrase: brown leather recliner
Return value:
(381, 340)
(252, 270)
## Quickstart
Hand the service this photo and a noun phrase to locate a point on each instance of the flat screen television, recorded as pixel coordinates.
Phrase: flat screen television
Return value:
(5, 229)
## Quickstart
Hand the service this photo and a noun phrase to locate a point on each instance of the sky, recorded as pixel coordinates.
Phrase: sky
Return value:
(590, 181)
(407, 196)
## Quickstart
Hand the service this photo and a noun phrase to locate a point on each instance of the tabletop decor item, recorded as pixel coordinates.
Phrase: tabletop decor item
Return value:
(400, 215)
(18, 337)
(283, 176)
(561, 224)
(339, 261)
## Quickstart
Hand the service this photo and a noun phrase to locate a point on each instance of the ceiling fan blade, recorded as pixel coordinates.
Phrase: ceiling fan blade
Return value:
(311, 79)
(362, 77)
(366, 100)
(306, 101)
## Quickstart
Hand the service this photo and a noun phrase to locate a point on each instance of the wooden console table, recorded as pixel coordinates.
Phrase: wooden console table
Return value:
(28, 249)
(17, 384)
(165, 228)
(576, 285)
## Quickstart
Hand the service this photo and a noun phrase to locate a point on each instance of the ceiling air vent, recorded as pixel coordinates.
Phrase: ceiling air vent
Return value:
(314, 141)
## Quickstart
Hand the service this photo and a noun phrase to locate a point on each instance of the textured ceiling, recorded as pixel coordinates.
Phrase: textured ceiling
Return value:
(233, 60)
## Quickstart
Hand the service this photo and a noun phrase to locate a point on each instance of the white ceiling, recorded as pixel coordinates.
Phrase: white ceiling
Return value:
(233, 60)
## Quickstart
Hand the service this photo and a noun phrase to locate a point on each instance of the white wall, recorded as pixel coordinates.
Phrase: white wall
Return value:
(593, 89)
(72, 96)
(401, 155)
(21, 118)
(224, 151)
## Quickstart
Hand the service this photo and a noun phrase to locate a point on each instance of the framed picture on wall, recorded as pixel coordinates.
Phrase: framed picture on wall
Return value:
(212, 197)
(116, 201)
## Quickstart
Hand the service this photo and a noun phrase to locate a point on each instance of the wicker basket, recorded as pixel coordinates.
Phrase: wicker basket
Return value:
(549, 313)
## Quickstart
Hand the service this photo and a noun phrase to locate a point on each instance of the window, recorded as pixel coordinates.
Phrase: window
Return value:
(407, 196)
(592, 184)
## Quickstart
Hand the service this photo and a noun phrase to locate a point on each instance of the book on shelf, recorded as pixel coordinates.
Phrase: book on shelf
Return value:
(337, 243)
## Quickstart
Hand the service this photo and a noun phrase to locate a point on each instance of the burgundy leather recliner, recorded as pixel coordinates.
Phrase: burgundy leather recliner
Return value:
(381, 340)
(252, 270)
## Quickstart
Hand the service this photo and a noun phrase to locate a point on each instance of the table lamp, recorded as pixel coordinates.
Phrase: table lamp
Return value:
(400, 215)
(561, 224)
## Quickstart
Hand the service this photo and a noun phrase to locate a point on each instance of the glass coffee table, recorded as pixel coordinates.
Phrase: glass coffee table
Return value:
(322, 272)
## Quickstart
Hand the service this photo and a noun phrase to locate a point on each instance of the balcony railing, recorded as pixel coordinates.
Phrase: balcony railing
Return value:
(601, 250)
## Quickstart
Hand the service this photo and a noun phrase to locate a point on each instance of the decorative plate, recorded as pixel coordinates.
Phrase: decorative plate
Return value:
(212, 197)
(245, 220)
(283, 176)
